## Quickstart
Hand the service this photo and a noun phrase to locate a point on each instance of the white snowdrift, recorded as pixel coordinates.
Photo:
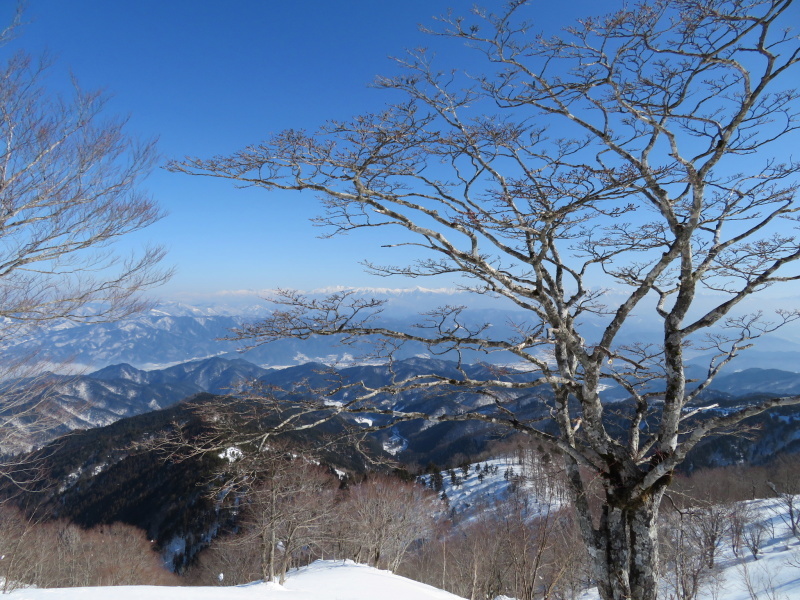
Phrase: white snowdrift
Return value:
(323, 580)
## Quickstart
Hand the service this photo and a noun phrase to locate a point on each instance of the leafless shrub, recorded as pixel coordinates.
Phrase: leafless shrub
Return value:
(58, 554)
(384, 517)
(687, 552)
(759, 582)
(754, 536)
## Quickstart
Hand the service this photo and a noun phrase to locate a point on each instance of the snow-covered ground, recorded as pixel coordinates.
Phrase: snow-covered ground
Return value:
(323, 580)
(774, 576)
(487, 482)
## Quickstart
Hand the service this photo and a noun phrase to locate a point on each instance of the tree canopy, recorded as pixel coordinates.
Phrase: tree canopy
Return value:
(642, 152)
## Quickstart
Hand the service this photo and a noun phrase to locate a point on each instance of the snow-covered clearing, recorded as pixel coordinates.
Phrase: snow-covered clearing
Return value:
(323, 580)
(774, 576)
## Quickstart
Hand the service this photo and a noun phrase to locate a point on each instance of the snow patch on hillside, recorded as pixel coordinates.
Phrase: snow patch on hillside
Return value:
(476, 488)
(395, 444)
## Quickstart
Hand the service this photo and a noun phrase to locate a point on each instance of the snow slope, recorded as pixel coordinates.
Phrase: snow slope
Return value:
(489, 481)
(323, 580)
(774, 576)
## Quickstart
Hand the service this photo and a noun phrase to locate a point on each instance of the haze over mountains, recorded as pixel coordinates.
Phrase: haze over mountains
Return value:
(175, 333)
(175, 351)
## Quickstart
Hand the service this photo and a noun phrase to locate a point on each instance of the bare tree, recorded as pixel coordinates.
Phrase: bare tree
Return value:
(743, 516)
(227, 561)
(529, 539)
(284, 502)
(755, 536)
(16, 553)
(477, 567)
(69, 189)
(685, 552)
(385, 516)
(759, 582)
(785, 484)
(288, 512)
(638, 150)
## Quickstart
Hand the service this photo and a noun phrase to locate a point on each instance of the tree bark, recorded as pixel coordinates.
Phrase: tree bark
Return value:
(624, 546)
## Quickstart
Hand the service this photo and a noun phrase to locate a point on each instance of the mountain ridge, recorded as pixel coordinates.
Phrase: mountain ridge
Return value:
(176, 333)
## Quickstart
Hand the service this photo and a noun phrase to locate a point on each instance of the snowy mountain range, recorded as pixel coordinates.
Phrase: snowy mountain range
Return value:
(70, 402)
(67, 402)
(177, 333)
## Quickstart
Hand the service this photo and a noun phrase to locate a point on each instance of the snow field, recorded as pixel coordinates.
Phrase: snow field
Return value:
(322, 580)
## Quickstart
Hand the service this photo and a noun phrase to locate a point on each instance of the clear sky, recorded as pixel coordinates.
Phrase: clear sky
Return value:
(209, 77)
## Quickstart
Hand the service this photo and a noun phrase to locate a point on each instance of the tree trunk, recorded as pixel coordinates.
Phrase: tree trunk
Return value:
(272, 545)
(474, 594)
(625, 547)
(264, 558)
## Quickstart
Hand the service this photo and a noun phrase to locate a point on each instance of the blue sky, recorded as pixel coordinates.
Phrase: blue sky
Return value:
(209, 77)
